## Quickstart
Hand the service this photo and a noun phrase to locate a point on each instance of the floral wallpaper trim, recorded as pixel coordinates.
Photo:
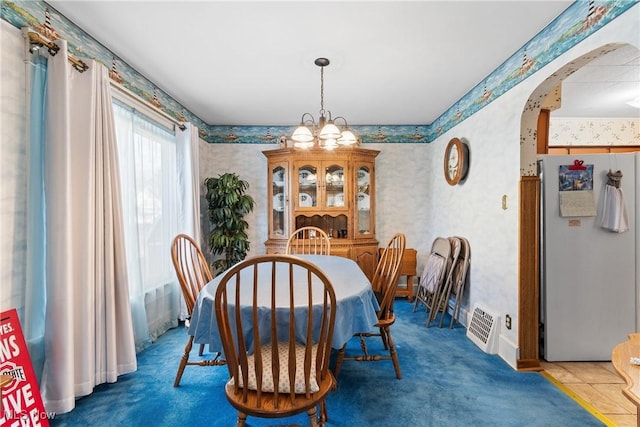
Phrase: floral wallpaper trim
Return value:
(577, 22)
(609, 131)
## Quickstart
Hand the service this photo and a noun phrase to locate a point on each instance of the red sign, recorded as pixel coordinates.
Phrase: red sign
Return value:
(21, 401)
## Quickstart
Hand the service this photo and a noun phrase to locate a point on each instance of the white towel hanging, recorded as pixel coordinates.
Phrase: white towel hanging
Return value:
(614, 213)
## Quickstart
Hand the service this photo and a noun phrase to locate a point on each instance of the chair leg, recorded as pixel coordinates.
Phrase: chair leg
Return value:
(385, 333)
(455, 314)
(183, 361)
(419, 298)
(428, 301)
(445, 302)
(311, 413)
(433, 310)
(436, 303)
(424, 300)
(393, 353)
(324, 415)
(201, 350)
(242, 419)
(339, 359)
(385, 339)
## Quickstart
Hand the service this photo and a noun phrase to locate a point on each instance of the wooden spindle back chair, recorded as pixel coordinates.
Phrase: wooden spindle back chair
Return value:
(309, 240)
(278, 344)
(385, 285)
(193, 273)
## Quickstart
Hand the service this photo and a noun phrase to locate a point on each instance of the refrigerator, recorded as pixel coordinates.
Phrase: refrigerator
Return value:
(588, 273)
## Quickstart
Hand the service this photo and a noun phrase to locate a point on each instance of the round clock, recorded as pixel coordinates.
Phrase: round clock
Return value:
(456, 161)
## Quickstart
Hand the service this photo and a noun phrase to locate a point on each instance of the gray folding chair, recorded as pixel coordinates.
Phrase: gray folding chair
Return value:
(452, 297)
(434, 274)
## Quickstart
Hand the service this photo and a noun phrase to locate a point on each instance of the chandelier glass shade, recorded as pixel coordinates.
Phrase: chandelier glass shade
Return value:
(325, 133)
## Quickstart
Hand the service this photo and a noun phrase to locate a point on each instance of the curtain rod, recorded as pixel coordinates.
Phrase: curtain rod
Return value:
(36, 39)
(147, 104)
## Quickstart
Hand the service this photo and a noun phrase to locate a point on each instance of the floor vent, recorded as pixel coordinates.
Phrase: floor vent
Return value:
(482, 330)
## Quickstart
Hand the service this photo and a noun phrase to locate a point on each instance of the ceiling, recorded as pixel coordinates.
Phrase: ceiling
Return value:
(247, 63)
(603, 87)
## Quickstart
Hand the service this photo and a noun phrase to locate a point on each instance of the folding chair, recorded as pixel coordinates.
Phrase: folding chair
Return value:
(437, 305)
(452, 297)
(434, 274)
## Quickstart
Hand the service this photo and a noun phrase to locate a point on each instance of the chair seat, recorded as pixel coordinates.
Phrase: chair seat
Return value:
(433, 271)
(268, 384)
(390, 320)
(286, 407)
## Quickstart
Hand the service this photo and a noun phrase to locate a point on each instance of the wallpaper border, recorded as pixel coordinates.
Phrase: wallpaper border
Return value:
(578, 21)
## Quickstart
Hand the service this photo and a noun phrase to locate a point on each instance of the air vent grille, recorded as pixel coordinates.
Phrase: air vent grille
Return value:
(482, 329)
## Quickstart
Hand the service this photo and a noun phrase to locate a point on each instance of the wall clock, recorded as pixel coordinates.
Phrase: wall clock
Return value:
(456, 161)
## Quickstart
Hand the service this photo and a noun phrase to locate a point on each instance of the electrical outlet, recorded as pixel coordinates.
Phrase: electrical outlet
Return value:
(507, 321)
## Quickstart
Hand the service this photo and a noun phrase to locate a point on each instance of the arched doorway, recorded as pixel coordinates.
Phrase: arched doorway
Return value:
(529, 274)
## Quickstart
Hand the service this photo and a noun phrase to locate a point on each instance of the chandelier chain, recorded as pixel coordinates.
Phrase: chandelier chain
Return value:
(322, 90)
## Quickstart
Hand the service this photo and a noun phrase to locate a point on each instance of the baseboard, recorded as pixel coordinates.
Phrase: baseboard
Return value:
(508, 351)
(464, 317)
(529, 365)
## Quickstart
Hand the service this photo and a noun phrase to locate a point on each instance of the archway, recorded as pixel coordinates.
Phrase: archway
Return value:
(529, 250)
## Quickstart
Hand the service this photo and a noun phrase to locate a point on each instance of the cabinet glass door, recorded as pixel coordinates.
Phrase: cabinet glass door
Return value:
(307, 185)
(279, 207)
(364, 202)
(334, 184)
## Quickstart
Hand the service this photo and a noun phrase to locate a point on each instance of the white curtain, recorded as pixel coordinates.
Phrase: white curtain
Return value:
(35, 286)
(189, 179)
(147, 153)
(88, 333)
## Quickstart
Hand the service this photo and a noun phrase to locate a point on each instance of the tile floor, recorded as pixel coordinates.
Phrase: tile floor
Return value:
(598, 384)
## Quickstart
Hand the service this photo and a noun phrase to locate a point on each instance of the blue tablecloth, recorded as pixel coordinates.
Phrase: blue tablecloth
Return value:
(356, 311)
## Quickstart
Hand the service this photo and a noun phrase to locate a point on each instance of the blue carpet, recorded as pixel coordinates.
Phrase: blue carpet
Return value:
(447, 381)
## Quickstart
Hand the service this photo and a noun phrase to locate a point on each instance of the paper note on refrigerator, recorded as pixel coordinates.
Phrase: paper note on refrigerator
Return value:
(577, 203)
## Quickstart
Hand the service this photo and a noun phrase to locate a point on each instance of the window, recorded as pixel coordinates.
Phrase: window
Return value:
(147, 156)
(147, 162)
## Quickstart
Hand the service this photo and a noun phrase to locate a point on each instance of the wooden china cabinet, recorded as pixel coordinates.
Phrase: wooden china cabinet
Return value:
(333, 190)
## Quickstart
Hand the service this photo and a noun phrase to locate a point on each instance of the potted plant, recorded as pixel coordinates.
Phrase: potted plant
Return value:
(227, 206)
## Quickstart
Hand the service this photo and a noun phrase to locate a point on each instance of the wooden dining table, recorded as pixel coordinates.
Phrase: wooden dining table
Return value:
(625, 358)
(356, 303)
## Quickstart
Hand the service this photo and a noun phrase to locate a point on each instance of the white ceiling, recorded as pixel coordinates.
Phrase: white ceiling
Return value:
(603, 87)
(252, 63)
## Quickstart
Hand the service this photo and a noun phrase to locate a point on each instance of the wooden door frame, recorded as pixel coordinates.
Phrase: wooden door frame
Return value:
(529, 275)
(529, 257)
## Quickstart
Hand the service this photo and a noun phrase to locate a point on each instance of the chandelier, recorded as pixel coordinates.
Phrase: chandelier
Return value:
(324, 134)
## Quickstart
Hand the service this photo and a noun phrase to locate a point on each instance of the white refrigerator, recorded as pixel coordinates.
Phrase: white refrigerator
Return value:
(589, 274)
